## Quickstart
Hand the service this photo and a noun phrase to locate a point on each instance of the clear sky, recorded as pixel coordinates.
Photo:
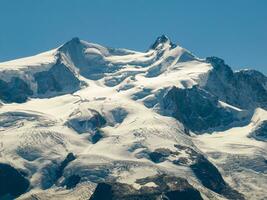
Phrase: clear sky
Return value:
(235, 30)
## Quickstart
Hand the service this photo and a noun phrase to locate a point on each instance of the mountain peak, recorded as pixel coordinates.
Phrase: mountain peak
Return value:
(163, 39)
(73, 41)
(70, 44)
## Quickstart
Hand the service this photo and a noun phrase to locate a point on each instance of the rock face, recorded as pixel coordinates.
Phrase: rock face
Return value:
(156, 156)
(260, 132)
(167, 188)
(16, 90)
(86, 121)
(59, 172)
(72, 181)
(12, 182)
(245, 89)
(159, 155)
(197, 109)
(161, 40)
(57, 79)
(204, 170)
(211, 178)
(53, 173)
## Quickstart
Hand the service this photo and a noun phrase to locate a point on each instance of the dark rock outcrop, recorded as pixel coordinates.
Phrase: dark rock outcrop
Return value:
(88, 122)
(161, 40)
(211, 178)
(96, 136)
(159, 155)
(69, 158)
(16, 90)
(196, 109)
(53, 172)
(12, 182)
(103, 191)
(260, 132)
(245, 89)
(207, 173)
(167, 188)
(58, 78)
(72, 181)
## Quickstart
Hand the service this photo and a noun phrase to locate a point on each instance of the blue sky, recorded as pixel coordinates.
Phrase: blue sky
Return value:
(235, 30)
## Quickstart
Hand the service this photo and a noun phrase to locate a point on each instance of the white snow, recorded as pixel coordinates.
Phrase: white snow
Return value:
(32, 61)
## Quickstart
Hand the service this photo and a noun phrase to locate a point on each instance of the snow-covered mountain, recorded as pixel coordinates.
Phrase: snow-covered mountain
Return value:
(84, 121)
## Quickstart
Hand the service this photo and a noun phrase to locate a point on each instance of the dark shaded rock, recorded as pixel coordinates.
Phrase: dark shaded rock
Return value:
(186, 131)
(89, 122)
(119, 114)
(159, 155)
(161, 40)
(211, 178)
(53, 81)
(135, 146)
(12, 182)
(186, 194)
(103, 191)
(142, 93)
(53, 171)
(59, 172)
(16, 90)
(196, 109)
(96, 136)
(72, 181)
(260, 132)
(245, 89)
(168, 187)
(156, 157)
(186, 56)
(207, 173)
